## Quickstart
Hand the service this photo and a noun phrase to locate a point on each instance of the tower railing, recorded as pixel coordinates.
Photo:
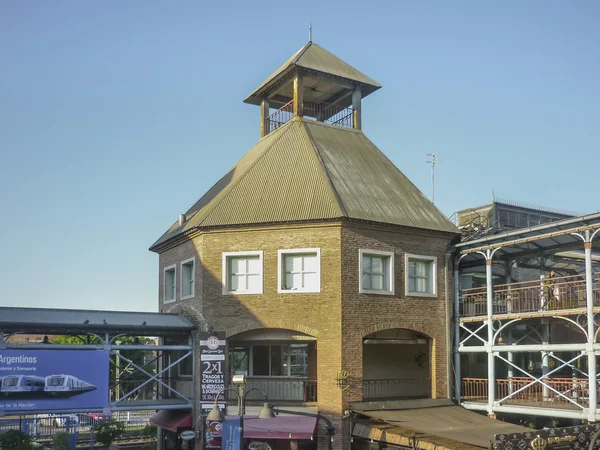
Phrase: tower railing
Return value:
(322, 112)
(281, 116)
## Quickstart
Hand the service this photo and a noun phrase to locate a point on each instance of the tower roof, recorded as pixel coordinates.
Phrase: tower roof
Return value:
(306, 171)
(314, 58)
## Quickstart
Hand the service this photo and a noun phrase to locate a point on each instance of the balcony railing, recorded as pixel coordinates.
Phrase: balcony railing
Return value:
(575, 391)
(280, 389)
(530, 296)
(397, 388)
(323, 112)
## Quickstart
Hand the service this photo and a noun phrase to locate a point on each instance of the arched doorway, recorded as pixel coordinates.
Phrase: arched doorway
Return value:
(396, 365)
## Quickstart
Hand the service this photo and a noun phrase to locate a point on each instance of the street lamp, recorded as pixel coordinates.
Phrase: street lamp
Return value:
(216, 414)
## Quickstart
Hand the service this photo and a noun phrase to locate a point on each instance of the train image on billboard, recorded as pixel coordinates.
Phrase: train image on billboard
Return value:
(31, 386)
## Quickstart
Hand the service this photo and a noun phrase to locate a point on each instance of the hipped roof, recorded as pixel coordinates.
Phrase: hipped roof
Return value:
(308, 171)
(314, 57)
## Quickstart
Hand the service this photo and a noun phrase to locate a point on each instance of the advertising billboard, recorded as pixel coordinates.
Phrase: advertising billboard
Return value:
(213, 352)
(563, 438)
(53, 380)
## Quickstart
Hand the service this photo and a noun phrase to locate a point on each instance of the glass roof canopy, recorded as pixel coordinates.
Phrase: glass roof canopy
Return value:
(552, 245)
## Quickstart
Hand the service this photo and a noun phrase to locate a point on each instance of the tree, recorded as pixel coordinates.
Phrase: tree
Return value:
(124, 377)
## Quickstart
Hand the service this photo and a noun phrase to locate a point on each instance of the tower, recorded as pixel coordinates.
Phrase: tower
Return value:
(314, 84)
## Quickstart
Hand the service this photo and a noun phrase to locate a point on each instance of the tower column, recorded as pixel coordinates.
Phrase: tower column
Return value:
(298, 95)
(356, 108)
(264, 117)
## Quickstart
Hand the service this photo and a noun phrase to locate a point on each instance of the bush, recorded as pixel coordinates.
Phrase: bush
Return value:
(15, 440)
(60, 441)
(106, 432)
(149, 430)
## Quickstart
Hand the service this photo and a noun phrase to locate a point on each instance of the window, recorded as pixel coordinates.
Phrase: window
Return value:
(270, 360)
(242, 272)
(421, 275)
(299, 270)
(376, 272)
(188, 277)
(169, 284)
(186, 366)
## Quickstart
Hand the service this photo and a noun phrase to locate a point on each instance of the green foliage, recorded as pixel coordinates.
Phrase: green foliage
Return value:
(15, 440)
(149, 430)
(60, 441)
(119, 368)
(106, 432)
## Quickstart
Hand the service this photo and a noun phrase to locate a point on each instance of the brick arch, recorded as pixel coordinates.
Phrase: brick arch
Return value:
(419, 328)
(282, 324)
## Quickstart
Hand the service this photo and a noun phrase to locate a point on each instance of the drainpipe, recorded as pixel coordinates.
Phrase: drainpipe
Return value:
(448, 325)
(457, 372)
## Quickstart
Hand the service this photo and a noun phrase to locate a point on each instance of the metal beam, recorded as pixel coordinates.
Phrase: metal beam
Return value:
(97, 347)
(528, 348)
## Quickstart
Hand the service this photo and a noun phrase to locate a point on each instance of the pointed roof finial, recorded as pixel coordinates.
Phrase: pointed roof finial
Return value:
(310, 32)
(493, 196)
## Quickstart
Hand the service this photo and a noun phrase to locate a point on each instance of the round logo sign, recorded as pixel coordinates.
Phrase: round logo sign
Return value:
(187, 435)
(212, 342)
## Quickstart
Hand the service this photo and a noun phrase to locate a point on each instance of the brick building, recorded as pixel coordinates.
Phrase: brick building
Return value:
(326, 268)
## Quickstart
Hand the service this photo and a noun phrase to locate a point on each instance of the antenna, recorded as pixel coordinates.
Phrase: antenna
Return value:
(310, 32)
(432, 158)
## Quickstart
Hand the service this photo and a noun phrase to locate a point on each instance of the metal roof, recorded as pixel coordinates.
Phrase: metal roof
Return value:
(78, 320)
(527, 244)
(314, 57)
(307, 171)
(438, 422)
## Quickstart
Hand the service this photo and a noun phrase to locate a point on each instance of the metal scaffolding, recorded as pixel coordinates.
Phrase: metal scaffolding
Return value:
(163, 340)
(486, 318)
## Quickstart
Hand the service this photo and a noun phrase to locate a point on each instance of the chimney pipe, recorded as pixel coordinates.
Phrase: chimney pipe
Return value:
(181, 219)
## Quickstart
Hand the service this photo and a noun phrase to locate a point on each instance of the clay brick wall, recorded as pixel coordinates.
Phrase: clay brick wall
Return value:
(338, 316)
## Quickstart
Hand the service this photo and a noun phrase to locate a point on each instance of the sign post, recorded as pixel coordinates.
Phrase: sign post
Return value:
(213, 369)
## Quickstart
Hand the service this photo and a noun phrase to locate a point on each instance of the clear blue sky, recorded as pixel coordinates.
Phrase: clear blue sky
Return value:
(116, 116)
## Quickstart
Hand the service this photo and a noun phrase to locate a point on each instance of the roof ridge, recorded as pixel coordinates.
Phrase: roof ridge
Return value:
(302, 51)
(344, 62)
(324, 169)
(248, 169)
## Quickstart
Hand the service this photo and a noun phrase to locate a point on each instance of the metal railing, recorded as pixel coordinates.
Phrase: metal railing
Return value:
(397, 388)
(281, 116)
(560, 293)
(42, 427)
(280, 389)
(323, 112)
(523, 392)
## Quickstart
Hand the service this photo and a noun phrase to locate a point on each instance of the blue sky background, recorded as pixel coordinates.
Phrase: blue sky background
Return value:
(117, 116)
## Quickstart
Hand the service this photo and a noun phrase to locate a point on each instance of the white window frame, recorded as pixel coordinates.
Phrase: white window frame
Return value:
(433, 260)
(174, 299)
(391, 290)
(225, 272)
(281, 275)
(193, 283)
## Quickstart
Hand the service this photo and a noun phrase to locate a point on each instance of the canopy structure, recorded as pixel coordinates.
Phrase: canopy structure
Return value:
(557, 242)
(172, 419)
(428, 423)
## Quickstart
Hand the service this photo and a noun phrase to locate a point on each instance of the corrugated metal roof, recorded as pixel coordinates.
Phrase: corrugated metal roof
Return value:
(369, 185)
(314, 57)
(31, 319)
(307, 170)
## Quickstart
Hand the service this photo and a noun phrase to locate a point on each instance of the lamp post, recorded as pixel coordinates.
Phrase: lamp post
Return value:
(216, 414)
